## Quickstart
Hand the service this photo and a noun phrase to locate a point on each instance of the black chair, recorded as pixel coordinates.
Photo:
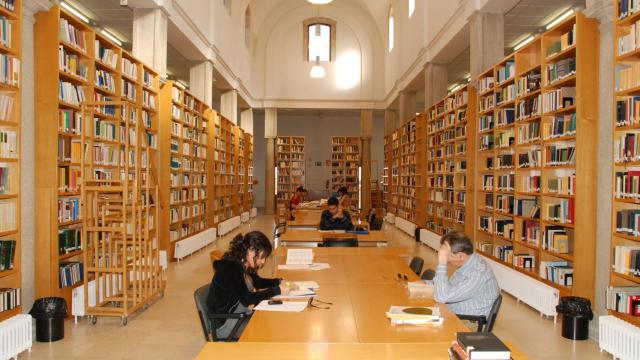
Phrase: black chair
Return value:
(279, 230)
(207, 319)
(371, 216)
(428, 274)
(340, 242)
(416, 265)
(485, 324)
(376, 224)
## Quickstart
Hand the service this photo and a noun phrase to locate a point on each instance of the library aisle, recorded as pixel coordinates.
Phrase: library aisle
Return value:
(170, 329)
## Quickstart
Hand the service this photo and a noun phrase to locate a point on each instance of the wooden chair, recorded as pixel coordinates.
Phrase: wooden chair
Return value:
(485, 324)
(416, 265)
(207, 319)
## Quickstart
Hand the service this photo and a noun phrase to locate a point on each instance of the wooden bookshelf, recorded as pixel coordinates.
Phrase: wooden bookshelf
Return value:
(225, 179)
(386, 174)
(625, 127)
(248, 184)
(184, 172)
(530, 105)
(449, 196)
(345, 163)
(291, 164)
(10, 189)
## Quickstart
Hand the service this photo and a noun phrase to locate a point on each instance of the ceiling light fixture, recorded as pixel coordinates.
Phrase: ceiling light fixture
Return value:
(559, 19)
(454, 88)
(75, 12)
(180, 85)
(111, 37)
(317, 71)
(524, 42)
(319, 2)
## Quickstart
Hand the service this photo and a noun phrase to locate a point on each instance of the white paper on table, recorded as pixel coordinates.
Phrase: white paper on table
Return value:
(299, 256)
(307, 285)
(315, 266)
(286, 306)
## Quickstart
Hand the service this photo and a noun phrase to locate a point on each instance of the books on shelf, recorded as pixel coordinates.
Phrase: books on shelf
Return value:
(69, 240)
(6, 179)
(70, 63)
(106, 55)
(626, 260)
(529, 132)
(528, 83)
(529, 107)
(9, 70)
(505, 117)
(69, 122)
(558, 99)
(631, 41)
(627, 75)
(558, 272)
(560, 154)
(6, 107)
(531, 232)
(68, 179)
(530, 159)
(561, 211)
(560, 126)
(504, 228)
(529, 208)
(8, 144)
(129, 68)
(627, 7)
(626, 148)
(506, 72)
(623, 299)
(562, 184)
(566, 40)
(557, 239)
(105, 80)
(485, 84)
(70, 273)
(8, 4)
(7, 254)
(7, 216)
(71, 93)
(68, 209)
(627, 111)
(71, 35)
(9, 298)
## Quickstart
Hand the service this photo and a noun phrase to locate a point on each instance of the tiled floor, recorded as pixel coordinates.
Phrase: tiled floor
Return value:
(170, 328)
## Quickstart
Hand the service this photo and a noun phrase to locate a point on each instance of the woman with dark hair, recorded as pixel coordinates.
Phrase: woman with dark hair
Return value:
(236, 284)
(345, 198)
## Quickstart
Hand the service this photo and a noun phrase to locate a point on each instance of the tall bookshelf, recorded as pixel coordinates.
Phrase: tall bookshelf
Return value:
(241, 170)
(92, 69)
(10, 100)
(345, 164)
(184, 172)
(535, 114)
(625, 239)
(448, 161)
(386, 174)
(224, 176)
(291, 163)
(248, 184)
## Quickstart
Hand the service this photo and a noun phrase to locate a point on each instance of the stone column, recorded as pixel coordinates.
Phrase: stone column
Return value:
(246, 121)
(366, 134)
(229, 105)
(407, 107)
(435, 83)
(486, 40)
(390, 122)
(270, 133)
(150, 38)
(201, 81)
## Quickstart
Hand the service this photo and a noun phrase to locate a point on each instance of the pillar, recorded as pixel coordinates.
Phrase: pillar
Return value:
(201, 81)
(366, 134)
(229, 105)
(150, 38)
(486, 42)
(435, 83)
(246, 121)
(407, 108)
(390, 122)
(270, 134)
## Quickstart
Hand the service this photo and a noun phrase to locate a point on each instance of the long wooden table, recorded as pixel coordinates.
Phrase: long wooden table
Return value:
(311, 238)
(324, 351)
(310, 219)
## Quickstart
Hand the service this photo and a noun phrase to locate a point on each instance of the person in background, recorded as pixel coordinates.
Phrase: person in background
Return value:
(236, 284)
(334, 192)
(344, 198)
(334, 218)
(472, 288)
(305, 195)
(296, 199)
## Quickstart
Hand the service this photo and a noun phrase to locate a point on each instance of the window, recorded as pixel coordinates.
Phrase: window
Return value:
(247, 27)
(412, 7)
(391, 29)
(319, 39)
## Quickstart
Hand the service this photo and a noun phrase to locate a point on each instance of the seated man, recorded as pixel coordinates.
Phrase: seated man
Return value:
(472, 288)
(334, 218)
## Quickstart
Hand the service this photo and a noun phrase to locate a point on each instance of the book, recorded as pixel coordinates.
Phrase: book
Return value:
(483, 346)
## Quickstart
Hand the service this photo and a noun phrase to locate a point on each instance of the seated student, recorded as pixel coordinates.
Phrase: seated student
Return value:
(344, 197)
(296, 199)
(236, 284)
(472, 288)
(334, 218)
(334, 192)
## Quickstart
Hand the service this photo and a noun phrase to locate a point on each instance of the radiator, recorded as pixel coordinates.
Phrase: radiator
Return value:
(406, 226)
(253, 213)
(539, 296)
(619, 338)
(188, 246)
(227, 226)
(77, 295)
(16, 336)
(390, 218)
(244, 217)
(430, 239)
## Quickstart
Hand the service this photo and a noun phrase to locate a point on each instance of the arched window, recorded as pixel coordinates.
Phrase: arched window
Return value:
(412, 7)
(319, 40)
(391, 29)
(247, 27)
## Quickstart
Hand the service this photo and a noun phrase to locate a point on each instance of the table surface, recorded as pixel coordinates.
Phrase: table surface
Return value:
(361, 288)
(324, 351)
(311, 218)
(299, 235)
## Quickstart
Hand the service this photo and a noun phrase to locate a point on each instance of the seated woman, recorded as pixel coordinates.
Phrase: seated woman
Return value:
(297, 197)
(236, 284)
(344, 198)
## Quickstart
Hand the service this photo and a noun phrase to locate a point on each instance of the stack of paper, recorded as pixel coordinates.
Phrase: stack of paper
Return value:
(420, 289)
(306, 289)
(286, 306)
(316, 266)
(415, 315)
(299, 256)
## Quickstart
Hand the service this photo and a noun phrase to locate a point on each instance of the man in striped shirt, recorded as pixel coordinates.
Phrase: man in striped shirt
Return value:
(472, 288)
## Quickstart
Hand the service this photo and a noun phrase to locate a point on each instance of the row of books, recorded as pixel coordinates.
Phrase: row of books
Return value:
(505, 139)
(626, 148)
(560, 126)
(69, 179)
(631, 41)
(561, 70)
(505, 117)
(70, 63)
(506, 182)
(627, 184)
(529, 132)
(6, 179)
(628, 111)
(68, 209)
(506, 72)
(628, 222)
(531, 232)
(560, 154)
(106, 55)
(8, 144)
(69, 150)
(6, 107)
(626, 260)
(561, 212)
(623, 299)
(69, 122)
(9, 70)
(105, 80)
(71, 273)
(506, 94)
(70, 34)
(527, 208)
(8, 4)
(9, 299)
(566, 40)
(71, 93)
(627, 7)
(7, 216)
(6, 31)
(529, 107)
(531, 183)
(504, 228)
(562, 185)
(528, 83)
(530, 159)
(627, 75)
(69, 240)
(558, 99)
(7, 254)
(557, 239)
(129, 68)
(558, 272)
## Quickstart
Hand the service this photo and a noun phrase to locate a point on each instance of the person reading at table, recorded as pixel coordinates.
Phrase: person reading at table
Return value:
(296, 199)
(335, 218)
(472, 288)
(236, 284)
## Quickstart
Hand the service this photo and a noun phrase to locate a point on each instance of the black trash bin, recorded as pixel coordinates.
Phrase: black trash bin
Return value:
(49, 313)
(576, 314)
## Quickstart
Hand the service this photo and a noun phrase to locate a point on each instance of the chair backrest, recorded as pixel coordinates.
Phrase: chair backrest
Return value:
(371, 217)
(376, 224)
(491, 319)
(428, 274)
(200, 297)
(416, 265)
(279, 230)
(340, 242)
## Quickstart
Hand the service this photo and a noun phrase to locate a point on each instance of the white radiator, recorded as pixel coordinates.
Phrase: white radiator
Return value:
(430, 239)
(16, 336)
(188, 246)
(406, 226)
(390, 218)
(77, 295)
(227, 226)
(244, 217)
(253, 213)
(539, 296)
(619, 338)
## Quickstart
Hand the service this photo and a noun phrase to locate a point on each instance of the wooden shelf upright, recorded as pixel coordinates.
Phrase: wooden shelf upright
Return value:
(291, 162)
(345, 162)
(248, 177)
